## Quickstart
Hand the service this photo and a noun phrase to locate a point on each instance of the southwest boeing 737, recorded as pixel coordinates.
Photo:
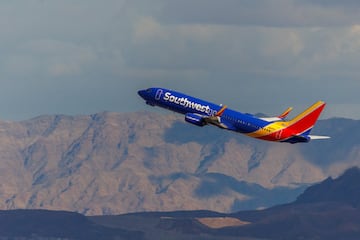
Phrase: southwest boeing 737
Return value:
(201, 113)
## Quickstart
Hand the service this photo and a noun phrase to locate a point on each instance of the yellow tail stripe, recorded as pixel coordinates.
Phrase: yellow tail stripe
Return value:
(307, 111)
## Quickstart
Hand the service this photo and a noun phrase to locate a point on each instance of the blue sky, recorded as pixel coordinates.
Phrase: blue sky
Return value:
(86, 56)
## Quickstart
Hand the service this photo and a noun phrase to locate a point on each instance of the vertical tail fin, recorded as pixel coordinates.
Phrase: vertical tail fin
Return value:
(304, 122)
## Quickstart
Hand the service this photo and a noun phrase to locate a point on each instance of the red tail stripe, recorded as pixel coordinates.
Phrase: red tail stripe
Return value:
(308, 121)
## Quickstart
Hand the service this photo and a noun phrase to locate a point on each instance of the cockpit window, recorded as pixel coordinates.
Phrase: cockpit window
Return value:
(148, 90)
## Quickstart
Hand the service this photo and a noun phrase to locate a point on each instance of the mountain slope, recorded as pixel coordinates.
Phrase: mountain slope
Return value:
(111, 163)
(312, 216)
(345, 190)
(328, 210)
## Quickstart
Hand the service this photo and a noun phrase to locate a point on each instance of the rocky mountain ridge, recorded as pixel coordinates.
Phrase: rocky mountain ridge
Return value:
(110, 163)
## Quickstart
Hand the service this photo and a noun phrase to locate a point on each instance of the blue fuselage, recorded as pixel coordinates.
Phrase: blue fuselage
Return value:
(201, 113)
(184, 104)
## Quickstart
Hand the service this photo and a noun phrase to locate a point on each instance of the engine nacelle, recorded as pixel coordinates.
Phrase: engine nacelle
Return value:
(195, 119)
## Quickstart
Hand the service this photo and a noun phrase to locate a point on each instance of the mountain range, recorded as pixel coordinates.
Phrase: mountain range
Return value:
(325, 211)
(112, 163)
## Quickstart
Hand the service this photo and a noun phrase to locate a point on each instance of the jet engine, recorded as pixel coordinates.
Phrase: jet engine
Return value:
(195, 119)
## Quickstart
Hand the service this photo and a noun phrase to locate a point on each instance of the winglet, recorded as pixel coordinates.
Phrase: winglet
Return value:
(285, 113)
(221, 111)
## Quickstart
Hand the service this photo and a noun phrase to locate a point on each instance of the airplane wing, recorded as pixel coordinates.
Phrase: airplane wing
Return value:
(202, 120)
(281, 117)
(216, 119)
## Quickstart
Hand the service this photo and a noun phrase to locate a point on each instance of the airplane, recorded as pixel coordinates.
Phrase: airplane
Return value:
(200, 113)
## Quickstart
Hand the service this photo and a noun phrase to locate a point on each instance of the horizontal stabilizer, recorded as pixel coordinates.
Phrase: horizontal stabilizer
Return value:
(305, 138)
(315, 137)
(281, 117)
(271, 119)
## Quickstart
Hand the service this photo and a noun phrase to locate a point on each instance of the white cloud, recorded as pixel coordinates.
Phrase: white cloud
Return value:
(148, 29)
(251, 49)
(343, 110)
(269, 13)
(49, 58)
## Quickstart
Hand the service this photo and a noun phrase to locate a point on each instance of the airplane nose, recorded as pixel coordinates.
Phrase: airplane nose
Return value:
(141, 93)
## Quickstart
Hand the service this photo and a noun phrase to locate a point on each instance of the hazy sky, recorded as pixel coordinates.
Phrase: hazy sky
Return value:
(86, 56)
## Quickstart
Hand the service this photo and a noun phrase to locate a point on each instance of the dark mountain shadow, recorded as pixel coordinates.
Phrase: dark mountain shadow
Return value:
(216, 184)
(43, 224)
(326, 211)
(344, 189)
